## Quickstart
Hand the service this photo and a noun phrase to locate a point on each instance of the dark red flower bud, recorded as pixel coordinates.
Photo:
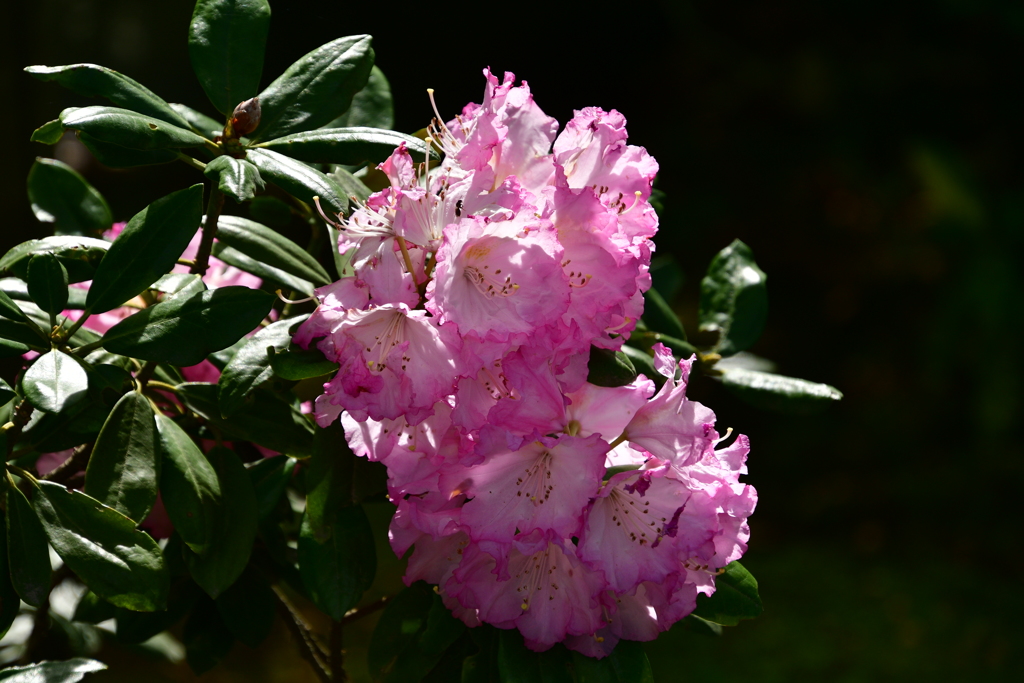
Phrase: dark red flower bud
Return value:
(246, 117)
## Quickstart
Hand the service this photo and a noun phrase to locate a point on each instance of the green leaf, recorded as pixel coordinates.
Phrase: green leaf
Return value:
(21, 333)
(28, 551)
(269, 247)
(128, 129)
(372, 106)
(188, 485)
(352, 146)
(660, 317)
(643, 363)
(352, 186)
(248, 608)
(124, 468)
(627, 663)
(735, 598)
(55, 380)
(93, 80)
(608, 368)
(234, 526)
(48, 283)
(70, 671)
(734, 299)
(206, 637)
(300, 365)
(270, 477)
(226, 43)
(8, 308)
(115, 156)
(250, 367)
(103, 548)
(317, 88)
(708, 628)
(329, 479)
(198, 121)
(61, 196)
(237, 178)
(92, 609)
(137, 627)
(235, 258)
(779, 393)
(270, 211)
(7, 392)
(78, 255)
(49, 133)
(412, 635)
(298, 179)
(185, 330)
(267, 420)
(148, 247)
(338, 569)
(517, 664)
(10, 601)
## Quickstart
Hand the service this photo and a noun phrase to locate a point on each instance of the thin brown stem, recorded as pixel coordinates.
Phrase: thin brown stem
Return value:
(337, 655)
(72, 466)
(213, 209)
(146, 373)
(18, 421)
(309, 648)
(360, 612)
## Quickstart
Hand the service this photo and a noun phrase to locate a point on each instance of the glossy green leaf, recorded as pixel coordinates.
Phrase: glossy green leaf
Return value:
(126, 128)
(299, 365)
(270, 247)
(372, 106)
(48, 283)
(267, 420)
(234, 526)
(317, 88)
(27, 549)
(189, 486)
(124, 468)
(248, 608)
(779, 393)
(329, 480)
(6, 392)
(103, 548)
(608, 368)
(185, 330)
(734, 299)
(337, 570)
(660, 317)
(8, 308)
(93, 80)
(61, 196)
(270, 477)
(78, 255)
(412, 635)
(198, 121)
(235, 258)
(352, 146)
(137, 627)
(55, 380)
(517, 664)
(116, 156)
(10, 601)
(70, 671)
(735, 598)
(148, 247)
(226, 43)
(49, 133)
(352, 186)
(237, 178)
(270, 211)
(300, 180)
(250, 367)
(92, 609)
(643, 363)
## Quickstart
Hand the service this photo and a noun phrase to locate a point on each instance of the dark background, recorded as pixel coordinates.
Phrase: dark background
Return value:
(869, 153)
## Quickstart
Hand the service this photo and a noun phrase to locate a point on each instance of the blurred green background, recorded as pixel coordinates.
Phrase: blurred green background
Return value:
(869, 152)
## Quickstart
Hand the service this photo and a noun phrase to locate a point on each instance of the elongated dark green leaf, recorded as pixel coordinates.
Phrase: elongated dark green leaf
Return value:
(129, 129)
(137, 627)
(735, 598)
(48, 283)
(93, 80)
(237, 178)
(626, 664)
(49, 133)
(102, 546)
(339, 568)
(250, 367)
(226, 42)
(517, 664)
(734, 299)
(317, 88)
(54, 381)
(372, 106)
(644, 364)
(206, 637)
(234, 527)
(8, 308)
(608, 368)
(352, 186)
(10, 601)
(267, 420)
(270, 247)
(116, 156)
(660, 317)
(351, 146)
(147, 248)
(270, 211)
(235, 258)
(27, 549)
(6, 392)
(270, 478)
(298, 179)
(61, 196)
(124, 468)
(248, 608)
(299, 365)
(184, 331)
(412, 635)
(188, 485)
(329, 480)
(92, 609)
(79, 255)
(198, 121)
(780, 393)
(702, 626)
(21, 333)
(70, 671)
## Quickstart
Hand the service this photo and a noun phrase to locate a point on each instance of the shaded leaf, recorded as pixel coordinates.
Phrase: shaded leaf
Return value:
(734, 299)
(198, 121)
(270, 211)
(608, 368)
(660, 317)
(627, 663)
(27, 550)
(352, 146)
(329, 479)
(735, 598)
(8, 308)
(300, 180)
(226, 43)
(6, 392)
(352, 186)
(248, 607)
(189, 485)
(60, 195)
(270, 247)
(779, 393)
(48, 283)
(115, 156)
(643, 363)
(372, 106)
(235, 258)
(517, 664)
(137, 627)
(55, 380)
(299, 365)
(206, 638)
(337, 570)
(92, 609)
(70, 671)
(270, 478)
(237, 178)
(78, 255)
(10, 601)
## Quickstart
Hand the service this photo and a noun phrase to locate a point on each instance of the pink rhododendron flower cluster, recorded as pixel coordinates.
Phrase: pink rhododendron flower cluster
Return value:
(532, 498)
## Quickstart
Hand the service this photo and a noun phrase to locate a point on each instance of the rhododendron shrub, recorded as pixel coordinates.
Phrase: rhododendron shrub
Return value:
(345, 341)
